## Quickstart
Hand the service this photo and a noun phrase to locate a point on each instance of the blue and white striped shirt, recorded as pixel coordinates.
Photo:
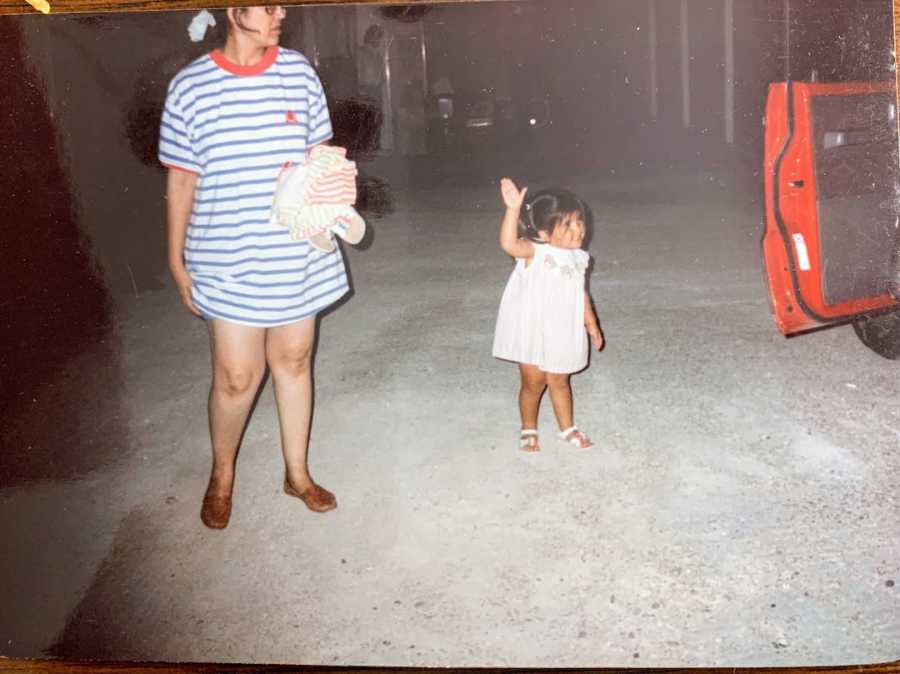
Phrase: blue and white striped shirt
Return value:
(236, 127)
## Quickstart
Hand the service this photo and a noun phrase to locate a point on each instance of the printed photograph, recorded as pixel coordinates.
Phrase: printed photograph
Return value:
(534, 333)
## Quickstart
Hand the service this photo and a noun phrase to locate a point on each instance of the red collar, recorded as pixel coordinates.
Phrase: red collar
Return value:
(222, 61)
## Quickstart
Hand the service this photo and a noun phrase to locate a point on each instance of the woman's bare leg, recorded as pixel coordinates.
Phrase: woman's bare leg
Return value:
(289, 354)
(238, 359)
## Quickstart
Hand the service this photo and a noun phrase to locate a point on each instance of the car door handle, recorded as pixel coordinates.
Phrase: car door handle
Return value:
(874, 133)
(796, 183)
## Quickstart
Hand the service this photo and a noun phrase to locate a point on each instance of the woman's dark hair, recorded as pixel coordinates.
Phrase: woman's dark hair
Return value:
(546, 209)
(222, 27)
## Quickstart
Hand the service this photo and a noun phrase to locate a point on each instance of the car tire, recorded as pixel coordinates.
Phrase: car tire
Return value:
(881, 334)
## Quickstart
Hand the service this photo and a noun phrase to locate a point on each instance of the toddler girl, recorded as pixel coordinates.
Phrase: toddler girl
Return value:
(546, 314)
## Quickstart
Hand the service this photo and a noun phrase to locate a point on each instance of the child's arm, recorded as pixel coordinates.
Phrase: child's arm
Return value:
(509, 234)
(591, 322)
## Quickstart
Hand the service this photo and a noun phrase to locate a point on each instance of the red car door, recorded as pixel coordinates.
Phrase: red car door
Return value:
(831, 196)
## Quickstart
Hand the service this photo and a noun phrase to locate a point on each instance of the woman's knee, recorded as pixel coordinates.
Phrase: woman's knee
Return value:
(293, 360)
(236, 380)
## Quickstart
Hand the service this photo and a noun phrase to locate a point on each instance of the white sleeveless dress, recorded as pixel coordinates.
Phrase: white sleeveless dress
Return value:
(541, 317)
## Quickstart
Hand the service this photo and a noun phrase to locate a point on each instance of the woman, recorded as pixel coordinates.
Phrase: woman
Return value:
(234, 118)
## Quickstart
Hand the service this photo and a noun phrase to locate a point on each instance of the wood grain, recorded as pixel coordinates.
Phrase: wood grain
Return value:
(897, 32)
(94, 6)
(60, 667)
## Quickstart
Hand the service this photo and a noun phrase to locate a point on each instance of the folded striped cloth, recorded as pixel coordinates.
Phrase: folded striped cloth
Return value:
(315, 199)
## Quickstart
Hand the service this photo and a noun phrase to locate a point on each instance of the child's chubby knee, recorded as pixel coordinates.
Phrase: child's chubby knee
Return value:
(533, 378)
(557, 380)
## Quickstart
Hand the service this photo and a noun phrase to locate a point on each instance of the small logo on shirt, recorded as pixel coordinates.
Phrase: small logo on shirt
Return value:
(291, 118)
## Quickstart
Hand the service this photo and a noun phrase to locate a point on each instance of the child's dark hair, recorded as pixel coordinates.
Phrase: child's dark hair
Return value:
(546, 209)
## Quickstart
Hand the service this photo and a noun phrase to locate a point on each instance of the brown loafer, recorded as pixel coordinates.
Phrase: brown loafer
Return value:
(318, 499)
(216, 511)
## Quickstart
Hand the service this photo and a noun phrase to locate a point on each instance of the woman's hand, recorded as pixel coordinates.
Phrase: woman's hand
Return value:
(512, 196)
(184, 284)
(596, 336)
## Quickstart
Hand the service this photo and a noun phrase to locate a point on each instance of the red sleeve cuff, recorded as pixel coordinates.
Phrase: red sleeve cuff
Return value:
(183, 169)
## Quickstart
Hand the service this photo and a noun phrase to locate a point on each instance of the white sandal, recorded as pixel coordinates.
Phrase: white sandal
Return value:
(575, 437)
(526, 443)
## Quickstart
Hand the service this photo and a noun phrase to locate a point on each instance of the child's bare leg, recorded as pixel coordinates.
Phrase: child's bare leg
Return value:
(534, 381)
(561, 397)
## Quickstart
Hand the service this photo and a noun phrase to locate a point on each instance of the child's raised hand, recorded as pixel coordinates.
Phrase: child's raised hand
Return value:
(512, 196)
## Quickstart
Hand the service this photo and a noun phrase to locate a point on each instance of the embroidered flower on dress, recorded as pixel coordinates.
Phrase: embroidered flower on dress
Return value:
(566, 270)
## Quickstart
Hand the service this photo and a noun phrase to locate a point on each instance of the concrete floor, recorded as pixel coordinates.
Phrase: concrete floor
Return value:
(739, 508)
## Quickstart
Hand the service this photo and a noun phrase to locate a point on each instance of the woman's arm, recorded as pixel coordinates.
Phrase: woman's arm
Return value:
(509, 227)
(180, 186)
(591, 322)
